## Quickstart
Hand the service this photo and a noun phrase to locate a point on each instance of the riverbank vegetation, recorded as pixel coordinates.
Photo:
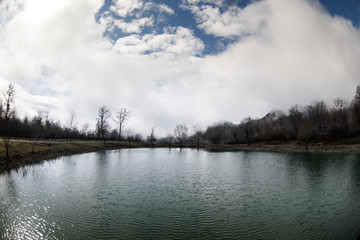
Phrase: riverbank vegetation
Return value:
(315, 126)
(25, 152)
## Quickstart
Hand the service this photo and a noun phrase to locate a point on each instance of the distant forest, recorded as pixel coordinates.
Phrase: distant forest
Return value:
(315, 122)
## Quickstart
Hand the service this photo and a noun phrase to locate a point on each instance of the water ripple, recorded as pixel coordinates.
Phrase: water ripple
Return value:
(162, 194)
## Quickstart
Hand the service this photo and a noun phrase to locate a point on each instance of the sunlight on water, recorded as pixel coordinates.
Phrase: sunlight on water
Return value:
(189, 194)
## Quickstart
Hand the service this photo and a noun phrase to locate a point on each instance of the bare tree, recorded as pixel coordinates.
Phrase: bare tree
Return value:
(102, 122)
(340, 104)
(121, 117)
(130, 136)
(215, 134)
(319, 115)
(152, 137)
(8, 113)
(169, 139)
(356, 105)
(9, 96)
(71, 121)
(339, 116)
(235, 134)
(180, 132)
(247, 128)
(1, 109)
(258, 127)
(295, 117)
(197, 133)
(71, 124)
(85, 129)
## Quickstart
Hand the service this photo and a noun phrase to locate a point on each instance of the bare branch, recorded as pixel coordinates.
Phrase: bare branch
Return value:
(121, 117)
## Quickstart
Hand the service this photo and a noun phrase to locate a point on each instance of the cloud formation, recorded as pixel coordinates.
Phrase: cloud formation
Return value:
(141, 12)
(61, 57)
(216, 18)
(174, 41)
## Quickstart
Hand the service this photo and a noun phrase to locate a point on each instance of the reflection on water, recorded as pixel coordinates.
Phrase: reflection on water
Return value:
(189, 194)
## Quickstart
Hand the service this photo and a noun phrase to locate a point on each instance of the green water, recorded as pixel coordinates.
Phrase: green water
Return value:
(188, 194)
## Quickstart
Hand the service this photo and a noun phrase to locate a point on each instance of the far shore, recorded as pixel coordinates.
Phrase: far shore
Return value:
(25, 152)
(294, 147)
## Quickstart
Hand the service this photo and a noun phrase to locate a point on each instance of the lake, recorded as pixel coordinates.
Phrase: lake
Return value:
(187, 194)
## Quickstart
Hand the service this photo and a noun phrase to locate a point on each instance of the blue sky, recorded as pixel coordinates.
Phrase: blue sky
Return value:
(182, 16)
(177, 62)
(349, 9)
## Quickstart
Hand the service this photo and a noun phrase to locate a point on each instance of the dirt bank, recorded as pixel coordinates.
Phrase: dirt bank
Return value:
(293, 147)
(23, 152)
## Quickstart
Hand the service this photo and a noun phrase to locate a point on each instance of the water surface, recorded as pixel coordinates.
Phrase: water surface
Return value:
(188, 194)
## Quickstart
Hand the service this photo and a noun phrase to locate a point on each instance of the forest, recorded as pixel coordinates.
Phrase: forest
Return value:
(305, 124)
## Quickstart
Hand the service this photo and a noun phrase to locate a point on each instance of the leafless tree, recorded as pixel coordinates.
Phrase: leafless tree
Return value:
(121, 117)
(130, 136)
(340, 104)
(71, 121)
(102, 121)
(340, 107)
(180, 132)
(295, 117)
(197, 133)
(247, 128)
(152, 137)
(319, 115)
(235, 134)
(8, 113)
(1, 109)
(258, 127)
(85, 129)
(9, 96)
(339, 119)
(71, 124)
(215, 134)
(356, 105)
(169, 139)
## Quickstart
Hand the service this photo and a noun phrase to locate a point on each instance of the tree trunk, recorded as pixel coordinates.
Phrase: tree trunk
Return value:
(120, 133)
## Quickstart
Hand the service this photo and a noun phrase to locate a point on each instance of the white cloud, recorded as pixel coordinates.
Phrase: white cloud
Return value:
(10, 8)
(174, 42)
(135, 26)
(165, 9)
(138, 11)
(293, 52)
(298, 56)
(231, 22)
(195, 2)
(124, 8)
(161, 8)
(33, 54)
(32, 104)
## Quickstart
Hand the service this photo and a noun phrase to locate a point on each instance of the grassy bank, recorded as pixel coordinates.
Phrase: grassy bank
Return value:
(292, 147)
(23, 152)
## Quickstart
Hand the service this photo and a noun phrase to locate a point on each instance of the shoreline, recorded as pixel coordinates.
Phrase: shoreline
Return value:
(291, 147)
(27, 152)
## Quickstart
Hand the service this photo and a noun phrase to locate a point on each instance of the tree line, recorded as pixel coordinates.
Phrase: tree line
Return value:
(43, 127)
(314, 122)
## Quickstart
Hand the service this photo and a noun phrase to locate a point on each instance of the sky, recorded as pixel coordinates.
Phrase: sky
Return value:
(177, 61)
